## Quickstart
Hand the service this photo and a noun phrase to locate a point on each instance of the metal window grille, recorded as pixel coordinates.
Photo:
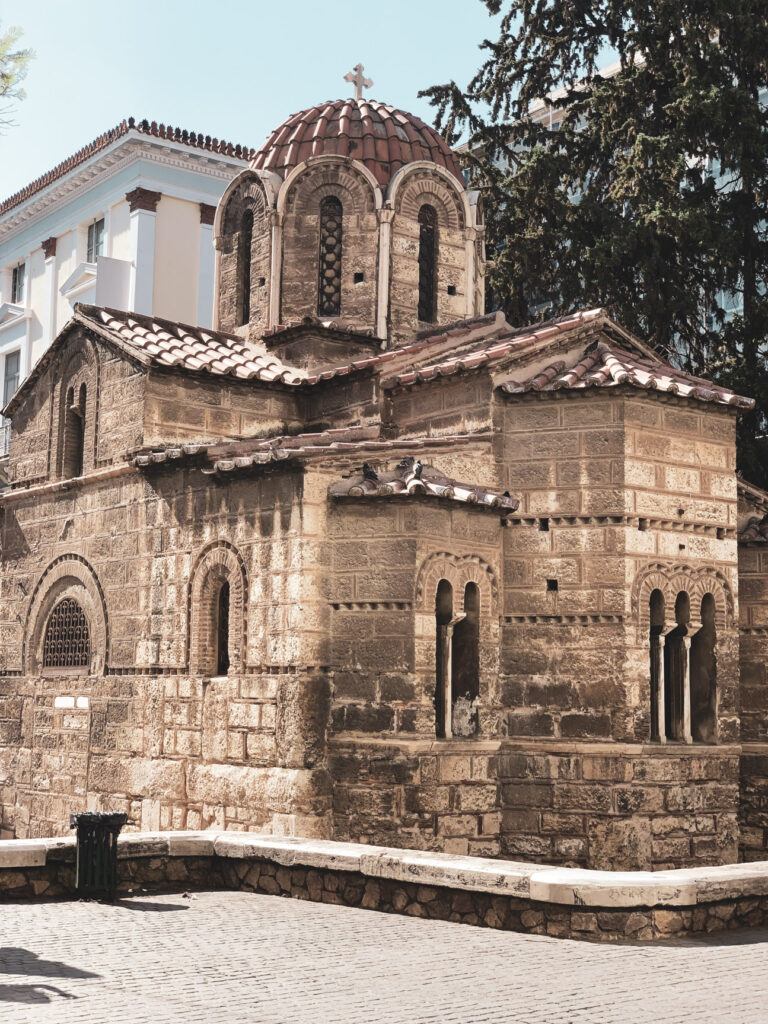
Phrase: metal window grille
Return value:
(67, 642)
(95, 240)
(427, 264)
(17, 283)
(329, 282)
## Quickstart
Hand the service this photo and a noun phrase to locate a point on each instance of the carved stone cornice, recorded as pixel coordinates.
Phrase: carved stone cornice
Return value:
(207, 213)
(122, 154)
(143, 199)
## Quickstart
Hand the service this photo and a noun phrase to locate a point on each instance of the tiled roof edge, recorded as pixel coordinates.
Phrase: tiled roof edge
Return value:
(144, 127)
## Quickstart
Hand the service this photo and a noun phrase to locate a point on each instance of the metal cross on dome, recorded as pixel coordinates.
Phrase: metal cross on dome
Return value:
(358, 79)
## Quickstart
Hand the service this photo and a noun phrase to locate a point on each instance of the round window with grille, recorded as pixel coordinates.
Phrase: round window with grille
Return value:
(67, 643)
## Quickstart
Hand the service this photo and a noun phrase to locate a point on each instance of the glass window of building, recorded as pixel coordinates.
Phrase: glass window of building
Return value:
(17, 283)
(95, 240)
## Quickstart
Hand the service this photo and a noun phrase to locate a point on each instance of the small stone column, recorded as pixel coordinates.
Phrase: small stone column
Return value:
(206, 267)
(382, 287)
(687, 738)
(276, 268)
(142, 203)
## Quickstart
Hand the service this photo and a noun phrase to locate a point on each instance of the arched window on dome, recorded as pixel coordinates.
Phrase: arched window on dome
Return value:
(427, 264)
(244, 267)
(329, 263)
(67, 643)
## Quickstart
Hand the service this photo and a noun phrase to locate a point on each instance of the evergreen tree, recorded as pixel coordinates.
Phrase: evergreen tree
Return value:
(13, 69)
(651, 195)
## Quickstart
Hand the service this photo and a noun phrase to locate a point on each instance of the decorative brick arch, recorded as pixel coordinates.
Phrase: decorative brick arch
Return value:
(420, 183)
(218, 563)
(311, 182)
(69, 576)
(670, 580)
(248, 195)
(458, 570)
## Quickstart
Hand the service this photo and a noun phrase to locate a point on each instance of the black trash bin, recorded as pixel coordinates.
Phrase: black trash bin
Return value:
(97, 833)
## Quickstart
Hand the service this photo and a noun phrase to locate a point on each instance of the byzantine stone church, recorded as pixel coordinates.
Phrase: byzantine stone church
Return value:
(370, 564)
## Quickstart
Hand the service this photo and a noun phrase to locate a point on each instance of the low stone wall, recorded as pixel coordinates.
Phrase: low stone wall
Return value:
(563, 902)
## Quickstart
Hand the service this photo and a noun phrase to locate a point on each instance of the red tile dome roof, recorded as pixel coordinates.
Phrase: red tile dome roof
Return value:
(381, 137)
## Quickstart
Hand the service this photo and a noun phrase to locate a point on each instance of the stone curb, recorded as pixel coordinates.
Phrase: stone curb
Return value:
(685, 887)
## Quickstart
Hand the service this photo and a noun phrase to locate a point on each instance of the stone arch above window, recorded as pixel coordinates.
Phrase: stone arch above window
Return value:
(670, 580)
(458, 570)
(75, 395)
(217, 613)
(422, 185)
(67, 582)
(243, 238)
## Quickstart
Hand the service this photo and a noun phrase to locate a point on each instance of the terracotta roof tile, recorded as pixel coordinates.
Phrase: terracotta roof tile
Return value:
(412, 479)
(190, 348)
(380, 136)
(151, 128)
(606, 365)
(224, 457)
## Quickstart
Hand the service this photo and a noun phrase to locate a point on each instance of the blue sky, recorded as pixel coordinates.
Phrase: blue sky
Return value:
(226, 68)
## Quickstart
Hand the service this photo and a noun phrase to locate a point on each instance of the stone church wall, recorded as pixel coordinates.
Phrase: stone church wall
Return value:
(753, 603)
(185, 408)
(152, 730)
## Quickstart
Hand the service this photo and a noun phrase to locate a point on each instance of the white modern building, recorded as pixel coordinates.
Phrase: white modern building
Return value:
(125, 222)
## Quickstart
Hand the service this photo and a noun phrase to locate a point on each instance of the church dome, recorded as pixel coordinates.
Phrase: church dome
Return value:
(381, 137)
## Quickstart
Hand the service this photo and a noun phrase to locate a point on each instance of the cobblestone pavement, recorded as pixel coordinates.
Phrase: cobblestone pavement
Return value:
(241, 958)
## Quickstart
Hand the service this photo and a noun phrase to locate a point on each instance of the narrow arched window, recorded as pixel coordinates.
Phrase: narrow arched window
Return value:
(329, 263)
(704, 676)
(427, 264)
(465, 667)
(443, 619)
(244, 257)
(222, 629)
(74, 433)
(67, 643)
(676, 706)
(657, 675)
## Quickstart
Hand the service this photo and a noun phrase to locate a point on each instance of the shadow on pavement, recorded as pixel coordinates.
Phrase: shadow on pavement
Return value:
(31, 993)
(145, 906)
(16, 960)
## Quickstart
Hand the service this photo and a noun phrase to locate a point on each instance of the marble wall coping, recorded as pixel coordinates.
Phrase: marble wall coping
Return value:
(684, 887)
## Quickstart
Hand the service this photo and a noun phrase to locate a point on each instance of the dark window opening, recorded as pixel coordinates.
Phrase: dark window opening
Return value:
(222, 630)
(443, 617)
(676, 671)
(465, 667)
(359, 278)
(329, 263)
(67, 642)
(552, 585)
(704, 676)
(74, 434)
(427, 264)
(656, 642)
(244, 257)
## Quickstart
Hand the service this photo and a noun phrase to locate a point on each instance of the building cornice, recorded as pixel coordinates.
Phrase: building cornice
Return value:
(124, 151)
